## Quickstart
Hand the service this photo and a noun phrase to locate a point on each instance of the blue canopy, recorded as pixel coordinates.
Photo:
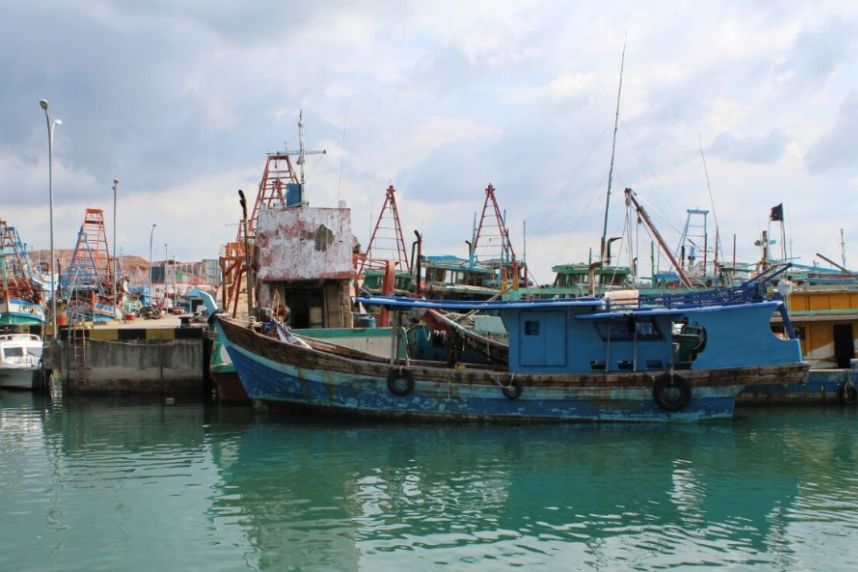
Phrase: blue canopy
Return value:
(395, 302)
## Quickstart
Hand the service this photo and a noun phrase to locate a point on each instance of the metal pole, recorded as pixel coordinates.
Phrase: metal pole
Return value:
(151, 236)
(164, 299)
(115, 251)
(51, 126)
(247, 258)
(604, 245)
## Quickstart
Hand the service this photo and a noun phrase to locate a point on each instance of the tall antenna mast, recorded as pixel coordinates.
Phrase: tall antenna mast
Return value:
(711, 202)
(301, 145)
(302, 151)
(603, 255)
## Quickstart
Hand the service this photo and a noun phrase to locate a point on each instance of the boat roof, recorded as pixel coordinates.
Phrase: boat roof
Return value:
(19, 337)
(582, 268)
(448, 262)
(396, 302)
(619, 311)
(608, 310)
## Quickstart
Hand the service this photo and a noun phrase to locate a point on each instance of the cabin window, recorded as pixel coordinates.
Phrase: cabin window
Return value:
(643, 329)
(780, 331)
(531, 328)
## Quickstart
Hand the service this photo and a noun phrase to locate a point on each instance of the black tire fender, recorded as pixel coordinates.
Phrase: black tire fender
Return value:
(512, 390)
(847, 393)
(668, 381)
(400, 381)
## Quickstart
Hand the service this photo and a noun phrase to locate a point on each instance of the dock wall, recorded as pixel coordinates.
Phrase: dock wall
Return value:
(135, 361)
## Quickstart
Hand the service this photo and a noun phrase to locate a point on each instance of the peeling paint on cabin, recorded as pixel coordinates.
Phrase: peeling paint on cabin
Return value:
(304, 243)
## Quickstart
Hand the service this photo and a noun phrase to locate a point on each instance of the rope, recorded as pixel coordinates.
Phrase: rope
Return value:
(502, 386)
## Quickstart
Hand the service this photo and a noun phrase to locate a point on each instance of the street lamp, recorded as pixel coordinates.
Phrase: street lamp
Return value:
(51, 127)
(115, 250)
(164, 302)
(151, 235)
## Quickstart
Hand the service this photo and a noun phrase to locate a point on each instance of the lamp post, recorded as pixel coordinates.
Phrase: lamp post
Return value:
(115, 251)
(164, 302)
(151, 235)
(51, 127)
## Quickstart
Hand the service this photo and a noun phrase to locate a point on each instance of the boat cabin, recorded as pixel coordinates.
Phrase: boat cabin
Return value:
(20, 349)
(304, 258)
(453, 278)
(577, 280)
(589, 336)
(373, 281)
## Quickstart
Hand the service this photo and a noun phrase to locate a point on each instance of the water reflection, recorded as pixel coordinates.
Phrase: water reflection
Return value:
(342, 496)
(109, 484)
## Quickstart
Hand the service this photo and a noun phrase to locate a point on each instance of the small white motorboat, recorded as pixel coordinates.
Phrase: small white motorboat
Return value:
(20, 361)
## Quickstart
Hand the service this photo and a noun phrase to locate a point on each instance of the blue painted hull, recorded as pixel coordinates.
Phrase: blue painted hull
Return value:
(822, 386)
(270, 382)
(20, 312)
(277, 373)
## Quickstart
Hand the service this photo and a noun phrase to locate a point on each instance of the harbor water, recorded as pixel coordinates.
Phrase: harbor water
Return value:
(101, 484)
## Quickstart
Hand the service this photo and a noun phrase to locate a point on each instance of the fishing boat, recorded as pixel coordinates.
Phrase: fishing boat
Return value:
(20, 360)
(584, 359)
(20, 296)
(86, 285)
(302, 267)
(825, 317)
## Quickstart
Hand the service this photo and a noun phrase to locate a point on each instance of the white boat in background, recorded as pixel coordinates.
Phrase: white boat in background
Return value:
(20, 360)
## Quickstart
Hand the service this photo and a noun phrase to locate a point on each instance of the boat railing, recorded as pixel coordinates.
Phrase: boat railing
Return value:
(752, 290)
(743, 294)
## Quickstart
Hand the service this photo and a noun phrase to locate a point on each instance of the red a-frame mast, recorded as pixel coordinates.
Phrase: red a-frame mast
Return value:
(387, 242)
(491, 242)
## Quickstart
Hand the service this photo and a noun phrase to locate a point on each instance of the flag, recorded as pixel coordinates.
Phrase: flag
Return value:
(777, 213)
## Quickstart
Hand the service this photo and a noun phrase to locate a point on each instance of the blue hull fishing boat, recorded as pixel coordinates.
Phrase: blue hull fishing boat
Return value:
(569, 360)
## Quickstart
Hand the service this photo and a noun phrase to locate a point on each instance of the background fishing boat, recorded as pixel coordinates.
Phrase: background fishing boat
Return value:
(21, 296)
(86, 285)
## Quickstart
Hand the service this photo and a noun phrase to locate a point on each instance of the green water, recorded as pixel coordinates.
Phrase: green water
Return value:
(110, 485)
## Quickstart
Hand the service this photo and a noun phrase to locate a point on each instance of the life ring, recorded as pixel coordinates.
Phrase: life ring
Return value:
(847, 393)
(671, 392)
(400, 382)
(512, 390)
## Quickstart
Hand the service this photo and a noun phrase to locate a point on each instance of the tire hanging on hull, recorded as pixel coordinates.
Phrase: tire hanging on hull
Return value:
(400, 382)
(671, 392)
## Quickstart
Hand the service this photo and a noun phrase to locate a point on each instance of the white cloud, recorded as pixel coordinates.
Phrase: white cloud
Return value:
(181, 101)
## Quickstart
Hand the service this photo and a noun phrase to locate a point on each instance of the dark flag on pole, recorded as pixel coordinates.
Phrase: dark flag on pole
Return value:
(777, 213)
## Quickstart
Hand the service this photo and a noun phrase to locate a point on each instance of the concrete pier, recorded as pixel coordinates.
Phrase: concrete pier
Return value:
(167, 356)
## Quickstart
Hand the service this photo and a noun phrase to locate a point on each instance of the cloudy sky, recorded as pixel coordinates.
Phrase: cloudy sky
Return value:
(181, 100)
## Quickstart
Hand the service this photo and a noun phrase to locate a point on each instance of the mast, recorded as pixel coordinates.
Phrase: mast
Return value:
(630, 197)
(386, 238)
(613, 152)
(711, 202)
